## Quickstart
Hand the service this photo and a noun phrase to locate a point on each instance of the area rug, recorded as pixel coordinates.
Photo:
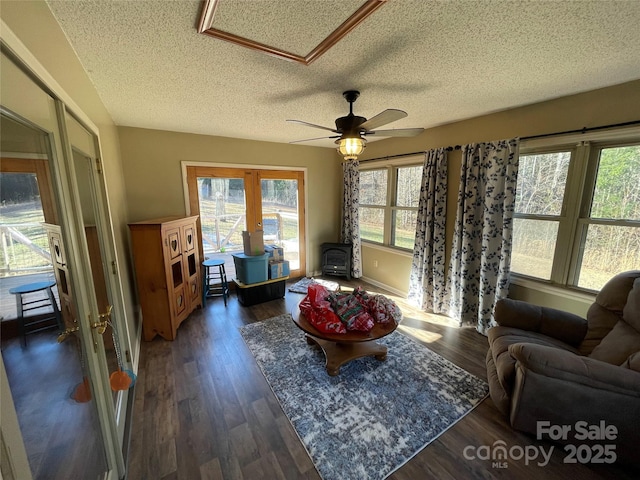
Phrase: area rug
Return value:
(302, 285)
(375, 415)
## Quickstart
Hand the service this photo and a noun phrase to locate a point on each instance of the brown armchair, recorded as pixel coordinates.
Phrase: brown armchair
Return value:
(547, 365)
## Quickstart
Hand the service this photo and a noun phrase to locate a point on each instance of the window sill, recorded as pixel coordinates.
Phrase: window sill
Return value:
(557, 290)
(386, 248)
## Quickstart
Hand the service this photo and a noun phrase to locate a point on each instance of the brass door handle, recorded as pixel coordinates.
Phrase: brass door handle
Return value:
(101, 325)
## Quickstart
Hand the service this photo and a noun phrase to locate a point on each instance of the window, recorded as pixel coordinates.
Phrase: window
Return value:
(389, 204)
(373, 202)
(577, 213)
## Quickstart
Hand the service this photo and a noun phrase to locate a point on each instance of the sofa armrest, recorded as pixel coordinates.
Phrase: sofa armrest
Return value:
(558, 387)
(560, 325)
(569, 367)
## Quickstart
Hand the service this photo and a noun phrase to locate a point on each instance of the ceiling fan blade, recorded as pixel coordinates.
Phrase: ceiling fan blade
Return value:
(388, 116)
(400, 132)
(312, 125)
(312, 139)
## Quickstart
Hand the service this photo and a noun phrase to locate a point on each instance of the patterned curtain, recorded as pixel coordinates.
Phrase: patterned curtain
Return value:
(481, 252)
(428, 280)
(350, 224)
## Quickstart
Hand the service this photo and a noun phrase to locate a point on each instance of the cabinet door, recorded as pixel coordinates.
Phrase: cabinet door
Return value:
(191, 264)
(173, 243)
(179, 301)
(189, 237)
(177, 287)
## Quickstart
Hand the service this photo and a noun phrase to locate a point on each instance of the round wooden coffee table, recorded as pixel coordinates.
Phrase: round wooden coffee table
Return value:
(340, 348)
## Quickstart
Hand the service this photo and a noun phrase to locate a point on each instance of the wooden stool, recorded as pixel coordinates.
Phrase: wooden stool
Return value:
(23, 306)
(214, 281)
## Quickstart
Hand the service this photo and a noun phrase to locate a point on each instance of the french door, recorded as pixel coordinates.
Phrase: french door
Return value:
(229, 200)
(64, 419)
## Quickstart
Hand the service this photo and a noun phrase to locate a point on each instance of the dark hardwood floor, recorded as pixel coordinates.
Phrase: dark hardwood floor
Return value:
(61, 436)
(203, 409)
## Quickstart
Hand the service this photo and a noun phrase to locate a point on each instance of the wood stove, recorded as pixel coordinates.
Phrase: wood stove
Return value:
(336, 259)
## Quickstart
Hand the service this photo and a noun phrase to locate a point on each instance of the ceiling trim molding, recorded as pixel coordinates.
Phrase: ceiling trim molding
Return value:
(205, 26)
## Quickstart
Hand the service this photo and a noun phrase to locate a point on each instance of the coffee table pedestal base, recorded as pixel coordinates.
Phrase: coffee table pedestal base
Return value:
(337, 354)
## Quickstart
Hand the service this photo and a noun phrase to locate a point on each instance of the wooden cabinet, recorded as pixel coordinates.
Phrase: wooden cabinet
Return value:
(167, 264)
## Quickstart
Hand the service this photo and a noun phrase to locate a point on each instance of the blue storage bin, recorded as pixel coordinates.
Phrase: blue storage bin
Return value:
(251, 268)
(279, 269)
(276, 254)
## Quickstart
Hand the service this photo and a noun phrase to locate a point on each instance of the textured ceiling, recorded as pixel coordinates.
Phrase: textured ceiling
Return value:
(440, 61)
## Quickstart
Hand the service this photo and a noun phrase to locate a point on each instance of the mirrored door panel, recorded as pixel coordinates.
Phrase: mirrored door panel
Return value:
(50, 367)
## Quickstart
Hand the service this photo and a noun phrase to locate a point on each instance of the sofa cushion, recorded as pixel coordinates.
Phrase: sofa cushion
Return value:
(631, 312)
(500, 338)
(607, 309)
(621, 342)
(632, 362)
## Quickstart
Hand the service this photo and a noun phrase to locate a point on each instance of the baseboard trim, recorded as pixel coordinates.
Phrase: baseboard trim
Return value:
(393, 290)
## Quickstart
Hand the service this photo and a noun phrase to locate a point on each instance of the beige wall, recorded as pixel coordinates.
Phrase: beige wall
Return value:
(35, 25)
(612, 105)
(151, 159)
(152, 167)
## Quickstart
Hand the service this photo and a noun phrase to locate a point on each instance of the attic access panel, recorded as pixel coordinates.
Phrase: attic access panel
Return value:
(270, 27)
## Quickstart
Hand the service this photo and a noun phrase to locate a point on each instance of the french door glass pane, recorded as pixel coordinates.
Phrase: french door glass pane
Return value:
(25, 248)
(404, 228)
(222, 218)
(372, 224)
(617, 191)
(541, 183)
(608, 250)
(50, 382)
(373, 187)
(534, 242)
(280, 222)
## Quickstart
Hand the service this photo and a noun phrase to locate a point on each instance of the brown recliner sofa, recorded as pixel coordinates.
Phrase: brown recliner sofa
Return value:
(546, 365)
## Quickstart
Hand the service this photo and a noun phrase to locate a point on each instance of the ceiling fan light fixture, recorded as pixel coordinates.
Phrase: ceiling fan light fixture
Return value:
(351, 147)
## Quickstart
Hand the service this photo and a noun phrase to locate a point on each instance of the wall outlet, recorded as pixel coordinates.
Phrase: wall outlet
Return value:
(375, 264)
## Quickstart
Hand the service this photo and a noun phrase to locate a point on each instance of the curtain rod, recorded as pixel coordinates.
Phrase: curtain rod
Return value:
(531, 137)
(582, 130)
(400, 155)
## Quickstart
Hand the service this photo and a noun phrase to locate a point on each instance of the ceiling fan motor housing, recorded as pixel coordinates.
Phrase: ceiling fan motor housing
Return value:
(349, 126)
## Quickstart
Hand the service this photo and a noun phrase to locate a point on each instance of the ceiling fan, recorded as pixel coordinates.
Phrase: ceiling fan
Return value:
(352, 129)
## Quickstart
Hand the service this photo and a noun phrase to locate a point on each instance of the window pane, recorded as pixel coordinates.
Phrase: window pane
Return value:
(222, 215)
(408, 186)
(25, 248)
(541, 183)
(534, 242)
(404, 228)
(373, 187)
(617, 191)
(608, 250)
(372, 224)
(280, 221)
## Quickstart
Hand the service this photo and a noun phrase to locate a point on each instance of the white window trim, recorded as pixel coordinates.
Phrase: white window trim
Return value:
(391, 165)
(561, 284)
(620, 134)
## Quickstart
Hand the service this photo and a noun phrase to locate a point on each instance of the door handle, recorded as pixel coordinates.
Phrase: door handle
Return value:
(103, 319)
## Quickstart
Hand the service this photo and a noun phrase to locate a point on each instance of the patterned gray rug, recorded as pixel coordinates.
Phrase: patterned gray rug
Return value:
(374, 416)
